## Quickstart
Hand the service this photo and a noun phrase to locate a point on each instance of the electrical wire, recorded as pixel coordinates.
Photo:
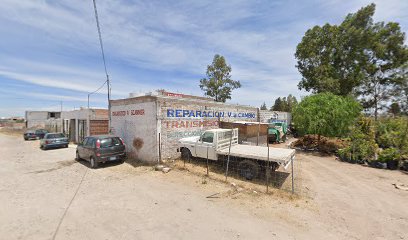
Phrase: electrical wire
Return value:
(100, 37)
(98, 88)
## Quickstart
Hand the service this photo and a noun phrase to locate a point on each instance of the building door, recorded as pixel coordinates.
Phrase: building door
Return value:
(81, 129)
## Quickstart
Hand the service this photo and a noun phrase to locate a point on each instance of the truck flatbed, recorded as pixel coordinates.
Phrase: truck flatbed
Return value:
(282, 156)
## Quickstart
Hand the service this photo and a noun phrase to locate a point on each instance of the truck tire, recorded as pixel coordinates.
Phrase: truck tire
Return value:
(248, 169)
(185, 154)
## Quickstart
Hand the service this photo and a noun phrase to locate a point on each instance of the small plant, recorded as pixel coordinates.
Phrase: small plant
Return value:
(389, 154)
(362, 146)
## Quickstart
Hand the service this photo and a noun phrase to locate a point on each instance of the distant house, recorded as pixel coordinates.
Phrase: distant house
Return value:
(76, 124)
(43, 119)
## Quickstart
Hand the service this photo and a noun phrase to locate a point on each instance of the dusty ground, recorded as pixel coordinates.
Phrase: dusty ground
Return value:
(47, 195)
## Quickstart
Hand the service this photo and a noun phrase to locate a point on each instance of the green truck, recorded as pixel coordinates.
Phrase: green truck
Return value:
(277, 132)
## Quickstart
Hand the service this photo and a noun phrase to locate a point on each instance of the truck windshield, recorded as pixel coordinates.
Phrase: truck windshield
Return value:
(208, 137)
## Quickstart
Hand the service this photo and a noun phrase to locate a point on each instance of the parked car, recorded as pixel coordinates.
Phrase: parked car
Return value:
(29, 134)
(54, 140)
(100, 149)
(40, 133)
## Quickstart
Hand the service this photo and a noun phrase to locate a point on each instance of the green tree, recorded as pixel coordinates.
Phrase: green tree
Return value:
(279, 105)
(394, 109)
(263, 106)
(356, 57)
(326, 114)
(285, 104)
(400, 87)
(218, 83)
(291, 102)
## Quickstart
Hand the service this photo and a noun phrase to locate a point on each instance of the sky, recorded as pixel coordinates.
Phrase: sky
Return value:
(50, 54)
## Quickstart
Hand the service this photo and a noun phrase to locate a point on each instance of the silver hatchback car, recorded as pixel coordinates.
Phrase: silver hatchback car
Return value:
(54, 140)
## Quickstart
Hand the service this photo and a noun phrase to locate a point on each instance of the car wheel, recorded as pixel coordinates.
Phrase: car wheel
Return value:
(66, 146)
(94, 163)
(44, 147)
(77, 157)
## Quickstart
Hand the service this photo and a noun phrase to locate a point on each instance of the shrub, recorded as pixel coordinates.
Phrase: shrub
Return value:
(361, 143)
(389, 154)
(326, 114)
(392, 133)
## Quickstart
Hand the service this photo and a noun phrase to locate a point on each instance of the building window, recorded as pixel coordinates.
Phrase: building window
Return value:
(54, 114)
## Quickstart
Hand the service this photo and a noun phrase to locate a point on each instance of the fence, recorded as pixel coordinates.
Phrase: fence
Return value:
(255, 174)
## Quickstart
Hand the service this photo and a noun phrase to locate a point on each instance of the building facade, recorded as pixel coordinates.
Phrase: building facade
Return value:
(266, 116)
(43, 119)
(152, 125)
(78, 124)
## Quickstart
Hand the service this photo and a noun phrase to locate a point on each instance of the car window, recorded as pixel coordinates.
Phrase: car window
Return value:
(91, 142)
(84, 141)
(208, 137)
(110, 142)
(55, 135)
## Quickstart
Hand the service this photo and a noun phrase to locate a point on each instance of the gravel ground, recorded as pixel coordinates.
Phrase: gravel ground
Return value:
(48, 195)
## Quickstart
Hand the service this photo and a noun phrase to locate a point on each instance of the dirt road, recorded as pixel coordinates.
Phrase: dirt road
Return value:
(48, 195)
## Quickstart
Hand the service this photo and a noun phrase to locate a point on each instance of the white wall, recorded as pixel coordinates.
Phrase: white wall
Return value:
(179, 118)
(265, 115)
(39, 119)
(136, 124)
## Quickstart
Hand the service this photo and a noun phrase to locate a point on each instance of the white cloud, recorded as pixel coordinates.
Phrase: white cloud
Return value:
(151, 45)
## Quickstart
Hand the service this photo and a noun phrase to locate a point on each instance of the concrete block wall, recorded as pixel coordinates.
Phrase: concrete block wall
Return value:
(265, 115)
(181, 118)
(134, 120)
(140, 120)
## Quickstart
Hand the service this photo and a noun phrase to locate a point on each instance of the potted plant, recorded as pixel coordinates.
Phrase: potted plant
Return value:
(390, 156)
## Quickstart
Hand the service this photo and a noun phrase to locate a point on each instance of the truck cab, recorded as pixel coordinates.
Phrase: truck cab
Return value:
(208, 143)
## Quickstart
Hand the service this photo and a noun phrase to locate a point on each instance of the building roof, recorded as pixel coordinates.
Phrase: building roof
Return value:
(170, 98)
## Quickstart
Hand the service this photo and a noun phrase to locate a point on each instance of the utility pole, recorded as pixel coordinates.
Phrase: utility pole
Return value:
(109, 104)
(104, 64)
(62, 120)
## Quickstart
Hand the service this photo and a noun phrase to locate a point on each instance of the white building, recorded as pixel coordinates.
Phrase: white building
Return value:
(151, 125)
(43, 119)
(78, 124)
(275, 116)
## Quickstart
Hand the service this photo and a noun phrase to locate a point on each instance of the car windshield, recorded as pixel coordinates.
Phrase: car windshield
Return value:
(30, 132)
(55, 135)
(110, 142)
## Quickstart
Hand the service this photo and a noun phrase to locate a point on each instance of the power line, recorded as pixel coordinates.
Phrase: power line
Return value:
(104, 64)
(96, 91)
(98, 88)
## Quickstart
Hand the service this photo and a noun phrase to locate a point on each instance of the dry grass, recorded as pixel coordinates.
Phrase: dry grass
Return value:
(12, 132)
(239, 187)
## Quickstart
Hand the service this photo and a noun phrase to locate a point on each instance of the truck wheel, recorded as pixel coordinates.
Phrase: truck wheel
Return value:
(248, 169)
(185, 154)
